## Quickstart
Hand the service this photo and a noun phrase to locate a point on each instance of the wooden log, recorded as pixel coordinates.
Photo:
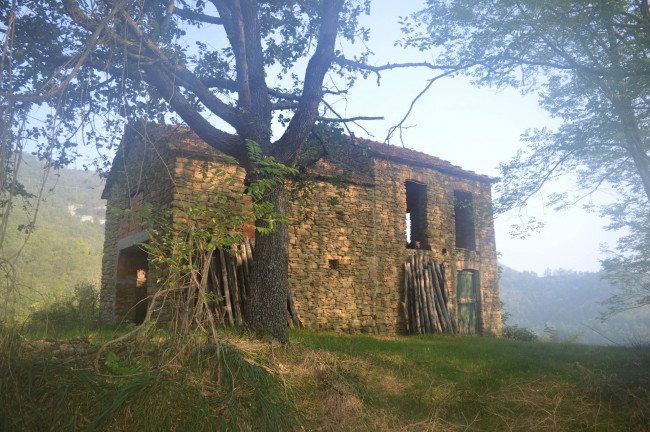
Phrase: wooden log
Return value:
(248, 252)
(234, 290)
(441, 307)
(440, 303)
(414, 304)
(240, 272)
(411, 298)
(441, 278)
(441, 300)
(434, 300)
(416, 299)
(431, 298)
(447, 295)
(212, 287)
(226, 289)
(418, 295)
(405, 301)
(433, 316)
(423, 296)
(249, 265)
(242, 278)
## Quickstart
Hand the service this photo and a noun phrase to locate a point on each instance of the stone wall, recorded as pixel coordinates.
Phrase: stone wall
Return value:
(143, 176)
(345, 259)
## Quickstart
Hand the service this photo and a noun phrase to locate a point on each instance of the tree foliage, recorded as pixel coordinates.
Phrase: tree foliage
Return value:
(225, 68)
(588, 62)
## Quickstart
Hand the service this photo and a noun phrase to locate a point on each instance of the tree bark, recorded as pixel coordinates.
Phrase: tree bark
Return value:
(269, 275)
(635, 146)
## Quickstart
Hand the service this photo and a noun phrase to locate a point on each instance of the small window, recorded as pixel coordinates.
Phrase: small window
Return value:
(416, 215)
(464, 211)
(333, 264)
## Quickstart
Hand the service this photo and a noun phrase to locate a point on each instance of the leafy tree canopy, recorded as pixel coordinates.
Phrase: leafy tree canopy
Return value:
(225, 68)
(588, 61)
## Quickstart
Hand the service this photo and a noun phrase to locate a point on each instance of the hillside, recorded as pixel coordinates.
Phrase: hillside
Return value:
(66, 245)
(569, 302)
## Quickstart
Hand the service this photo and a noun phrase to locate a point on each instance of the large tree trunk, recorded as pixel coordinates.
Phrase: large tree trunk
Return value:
(635, 146)
(270, 274)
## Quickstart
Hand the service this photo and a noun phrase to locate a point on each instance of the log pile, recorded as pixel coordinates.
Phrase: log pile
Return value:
(426, 302)
(229, 284)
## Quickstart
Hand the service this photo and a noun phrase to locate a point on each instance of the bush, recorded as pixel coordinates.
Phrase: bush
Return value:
(80, 311)
(515, 332)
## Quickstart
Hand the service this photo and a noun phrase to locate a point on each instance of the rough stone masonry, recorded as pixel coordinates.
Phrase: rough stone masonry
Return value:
(346, 258)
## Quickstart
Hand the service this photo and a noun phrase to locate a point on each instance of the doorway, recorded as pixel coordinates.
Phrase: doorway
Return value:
(467, 284)
(131, 285)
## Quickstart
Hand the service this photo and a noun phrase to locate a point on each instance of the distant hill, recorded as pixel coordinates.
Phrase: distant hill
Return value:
(569, 302)
(66, 248)
(66, 245)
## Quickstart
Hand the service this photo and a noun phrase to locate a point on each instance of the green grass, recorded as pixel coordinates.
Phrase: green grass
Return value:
(322, 381)
(469, 383)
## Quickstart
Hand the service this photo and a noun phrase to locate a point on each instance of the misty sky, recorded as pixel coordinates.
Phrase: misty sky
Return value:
(476, 129)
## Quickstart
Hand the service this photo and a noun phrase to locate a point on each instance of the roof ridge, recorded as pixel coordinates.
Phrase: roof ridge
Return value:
(411, 156)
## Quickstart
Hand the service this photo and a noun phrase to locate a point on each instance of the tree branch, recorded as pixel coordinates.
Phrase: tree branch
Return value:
(231, 145)
(196, 16)
(348, 120)
(84, 55)
(426, 88)
(187, 79)
(286, 148)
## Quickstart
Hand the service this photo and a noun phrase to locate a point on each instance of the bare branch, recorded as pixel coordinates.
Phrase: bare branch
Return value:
(426, 88)
(345, 125)
(349, 119)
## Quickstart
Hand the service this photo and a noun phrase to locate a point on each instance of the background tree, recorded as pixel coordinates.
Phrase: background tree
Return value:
(16, 133)
(588, 61)
(209, 63)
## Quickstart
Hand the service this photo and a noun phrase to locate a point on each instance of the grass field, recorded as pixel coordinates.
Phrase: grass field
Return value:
(322, 381)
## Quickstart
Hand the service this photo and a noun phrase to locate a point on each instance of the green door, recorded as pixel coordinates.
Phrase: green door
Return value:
(466, 299)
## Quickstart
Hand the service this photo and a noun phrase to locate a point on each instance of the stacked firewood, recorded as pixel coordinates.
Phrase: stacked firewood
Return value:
(426, 297)
(230, 285)
(229, 282)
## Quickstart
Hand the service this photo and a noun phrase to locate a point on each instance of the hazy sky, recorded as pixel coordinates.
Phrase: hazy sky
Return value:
(476, 129)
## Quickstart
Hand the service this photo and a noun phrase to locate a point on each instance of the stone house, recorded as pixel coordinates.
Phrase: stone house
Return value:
(346, 258)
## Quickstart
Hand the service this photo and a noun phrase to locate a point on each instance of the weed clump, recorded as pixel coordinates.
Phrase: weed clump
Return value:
(52, 385)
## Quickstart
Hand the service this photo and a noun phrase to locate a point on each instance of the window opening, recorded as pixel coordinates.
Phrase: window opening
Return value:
(416, 215)
(464, 211)
(333, 264)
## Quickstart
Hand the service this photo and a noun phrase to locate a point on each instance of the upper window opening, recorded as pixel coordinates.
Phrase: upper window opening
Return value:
(464, 211)
(416, 215)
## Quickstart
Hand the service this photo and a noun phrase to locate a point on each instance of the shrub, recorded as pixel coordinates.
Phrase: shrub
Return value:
(515, 332)
(81, 310)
